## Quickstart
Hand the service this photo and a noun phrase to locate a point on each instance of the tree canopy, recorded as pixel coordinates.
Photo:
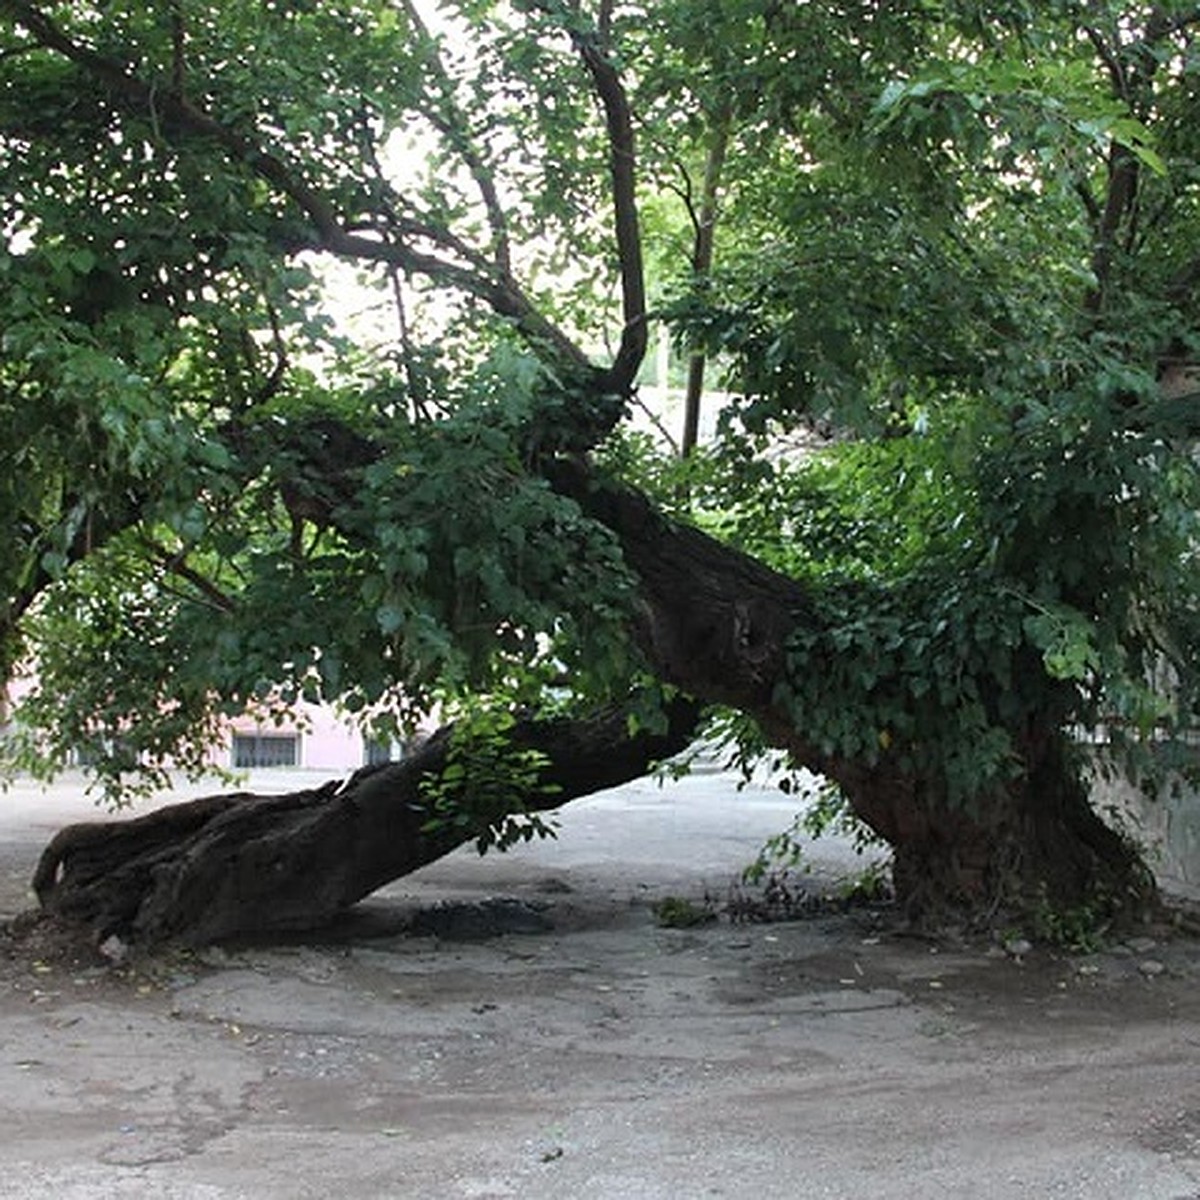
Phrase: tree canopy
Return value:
(935, 260)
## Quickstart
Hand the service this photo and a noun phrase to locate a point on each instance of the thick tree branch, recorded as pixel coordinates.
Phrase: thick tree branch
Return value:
(240, 864)
(622, 169)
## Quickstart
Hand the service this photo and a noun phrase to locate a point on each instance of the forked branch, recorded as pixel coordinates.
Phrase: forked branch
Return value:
(623, 173)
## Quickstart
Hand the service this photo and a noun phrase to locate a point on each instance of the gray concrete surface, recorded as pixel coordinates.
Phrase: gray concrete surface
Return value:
(1167, 827)
(605, 1058)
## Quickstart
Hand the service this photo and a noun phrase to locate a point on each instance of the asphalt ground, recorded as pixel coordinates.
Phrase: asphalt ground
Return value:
(523, 1026)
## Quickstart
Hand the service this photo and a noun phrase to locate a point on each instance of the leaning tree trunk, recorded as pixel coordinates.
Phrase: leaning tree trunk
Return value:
(235, 864)
(716, 623)
(1032, 846)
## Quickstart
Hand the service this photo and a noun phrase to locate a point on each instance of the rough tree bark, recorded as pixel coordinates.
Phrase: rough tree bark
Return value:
(241, 863)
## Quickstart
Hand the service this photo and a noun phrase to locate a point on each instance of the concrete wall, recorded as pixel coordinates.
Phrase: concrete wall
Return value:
(1168, 826)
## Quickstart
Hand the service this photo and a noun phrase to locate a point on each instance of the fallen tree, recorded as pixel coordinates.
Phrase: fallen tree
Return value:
(713, 622)
(997, 556)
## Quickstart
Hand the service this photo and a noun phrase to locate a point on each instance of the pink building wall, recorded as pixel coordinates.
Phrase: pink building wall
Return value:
(324, 741)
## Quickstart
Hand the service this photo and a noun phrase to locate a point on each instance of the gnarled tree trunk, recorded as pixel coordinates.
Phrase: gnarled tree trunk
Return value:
(1035, 845)
(240, 863)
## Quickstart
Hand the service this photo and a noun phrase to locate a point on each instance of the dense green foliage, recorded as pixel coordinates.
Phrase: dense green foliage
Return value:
(987, 275)
(955, 269)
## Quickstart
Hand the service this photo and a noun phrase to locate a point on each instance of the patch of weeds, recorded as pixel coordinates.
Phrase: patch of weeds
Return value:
(1082, 929)
(764, 899)
(779, 896)
(872, 885)
(675, 912)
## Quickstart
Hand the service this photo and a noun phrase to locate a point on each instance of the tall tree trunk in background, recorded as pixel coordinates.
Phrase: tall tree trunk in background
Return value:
(704, 223)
